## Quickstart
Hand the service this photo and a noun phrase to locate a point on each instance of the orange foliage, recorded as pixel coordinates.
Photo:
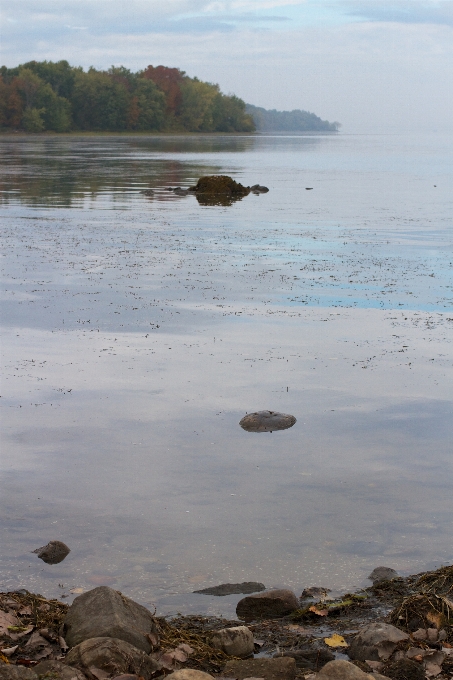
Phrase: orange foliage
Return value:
(169, 81)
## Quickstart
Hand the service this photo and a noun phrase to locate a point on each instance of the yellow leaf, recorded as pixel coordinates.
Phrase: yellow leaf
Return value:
(336, 641)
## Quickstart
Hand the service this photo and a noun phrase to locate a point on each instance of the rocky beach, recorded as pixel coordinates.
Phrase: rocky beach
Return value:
(398, 628)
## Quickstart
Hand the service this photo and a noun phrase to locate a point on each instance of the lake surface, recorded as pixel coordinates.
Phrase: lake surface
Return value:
(139, 329)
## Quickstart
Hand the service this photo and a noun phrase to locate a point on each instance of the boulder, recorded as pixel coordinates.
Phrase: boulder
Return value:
(233, 589)
(376, 641)
(268, 605)
(315, 591)
(113, 656)
(56, 670)
(259, 189)
(220, 184)
(310, 658)
(236, 641)
(10, 672)
(189, 674)
(53, 553)
(342, 670)
(382, 574)
(269, 669)
(266, 421)
(103, 612)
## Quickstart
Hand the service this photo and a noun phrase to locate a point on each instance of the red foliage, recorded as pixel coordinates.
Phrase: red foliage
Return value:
(169, 80)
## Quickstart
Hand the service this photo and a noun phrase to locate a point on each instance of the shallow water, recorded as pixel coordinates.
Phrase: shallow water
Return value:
(138, 330)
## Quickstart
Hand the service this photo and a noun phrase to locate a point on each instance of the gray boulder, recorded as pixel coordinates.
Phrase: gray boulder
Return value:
(268, 669)
(58, 671)
(53, 553)
(244, 588)
(342, 670)
(268, 605)
(375, 642)
(189, 674)
(10, 672)
(236, 641)
(103, 612)
(382, 574)
(113, 656)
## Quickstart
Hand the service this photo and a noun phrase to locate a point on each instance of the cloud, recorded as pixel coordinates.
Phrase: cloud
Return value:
(401, 11)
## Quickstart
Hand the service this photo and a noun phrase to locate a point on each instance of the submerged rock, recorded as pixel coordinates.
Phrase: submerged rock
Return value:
(244, 588)
(258, 189)
(53, 553)
(266, 421)
(309, 658)
(268, 605)
(219, 190)
(315, 591)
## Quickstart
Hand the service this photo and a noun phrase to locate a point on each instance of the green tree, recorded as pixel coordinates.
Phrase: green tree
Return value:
(32, 120)
(150, 106)
(197, 105)
(99, 102)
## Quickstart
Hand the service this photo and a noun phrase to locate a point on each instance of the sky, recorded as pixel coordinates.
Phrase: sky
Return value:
(373, 65)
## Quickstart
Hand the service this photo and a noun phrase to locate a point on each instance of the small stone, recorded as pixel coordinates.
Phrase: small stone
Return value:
(310, 658)
(233, 589)
(376, 641)
(382, 574)
(113, 656)
(236, 641)
(105, 613)
(270, 604)
(342, 670)
(269, 669)
(53, 553)
(266, 421)
(56, 670)
(189, 674)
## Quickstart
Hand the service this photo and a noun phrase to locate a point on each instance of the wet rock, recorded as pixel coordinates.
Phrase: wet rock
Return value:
(189, 674)
(269, 669)
(53, 553)
(55, 670)
(311, 658)
(236, 641)
(259, 189)
(315, 592)
(105, 613)
(233, 589)
(404, 669)
(342, 670)
(113, 656)
(270, 604)
(266, 421)
(382, 574)
(376, 642)
(10, 672)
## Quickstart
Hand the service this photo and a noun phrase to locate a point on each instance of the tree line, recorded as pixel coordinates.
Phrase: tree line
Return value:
(289, 121)
(54, 96)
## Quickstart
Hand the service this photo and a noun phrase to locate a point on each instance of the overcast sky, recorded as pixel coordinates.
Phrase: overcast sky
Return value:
(373, 65)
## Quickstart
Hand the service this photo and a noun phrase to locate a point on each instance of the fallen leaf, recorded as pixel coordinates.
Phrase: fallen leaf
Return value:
(19, 635)
(76, 591)
(319, 612)
(336, 641)
(3, 658)
(186, 648)
(153, 638)
(25, 611)
(6, 621)
(9, 651)
(179, 655)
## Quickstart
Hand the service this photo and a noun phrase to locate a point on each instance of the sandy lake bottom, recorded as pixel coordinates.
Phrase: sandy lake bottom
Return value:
(139, 329)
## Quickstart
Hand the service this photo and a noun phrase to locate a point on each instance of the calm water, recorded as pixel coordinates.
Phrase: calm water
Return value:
(138, 329)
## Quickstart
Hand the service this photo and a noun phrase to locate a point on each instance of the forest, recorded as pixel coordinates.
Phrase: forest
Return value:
(54, 96)
(288, 121)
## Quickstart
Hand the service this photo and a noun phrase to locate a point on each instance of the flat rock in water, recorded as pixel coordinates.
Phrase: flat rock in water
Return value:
(55, 670)
(382, 574)
(244, 588)
(269, 669)
(105, 613)
(267, 605)
(312, 658)
(266, 421)
(53, 553)
(115, 657)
